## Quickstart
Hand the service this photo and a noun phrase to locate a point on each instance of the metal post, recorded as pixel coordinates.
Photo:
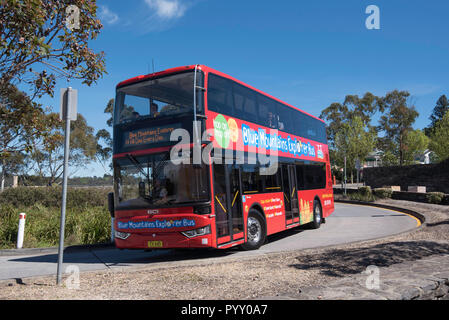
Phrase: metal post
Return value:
(345, 176)
(64, 188)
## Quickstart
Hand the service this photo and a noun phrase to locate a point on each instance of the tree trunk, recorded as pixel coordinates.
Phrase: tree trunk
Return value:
(401, 149)
(3, 176)
(3, 182)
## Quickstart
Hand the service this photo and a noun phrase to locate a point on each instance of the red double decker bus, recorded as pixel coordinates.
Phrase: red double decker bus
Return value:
(254, 167)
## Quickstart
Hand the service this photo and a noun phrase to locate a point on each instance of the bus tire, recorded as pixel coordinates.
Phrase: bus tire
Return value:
(256, 231)
(317, 215)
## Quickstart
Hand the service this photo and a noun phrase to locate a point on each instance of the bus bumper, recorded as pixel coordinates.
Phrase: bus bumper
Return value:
(163, 232)
(162, 241)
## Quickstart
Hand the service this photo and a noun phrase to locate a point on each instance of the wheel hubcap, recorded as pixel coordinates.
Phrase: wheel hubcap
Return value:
(317, 214)
(254, 230)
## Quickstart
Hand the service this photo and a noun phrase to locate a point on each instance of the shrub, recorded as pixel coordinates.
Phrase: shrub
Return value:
(9, 224)
(50, 197)
(363, 194)
(383, 193)
(365, 190)
(83, 226)
(87, 216)
(435, 197)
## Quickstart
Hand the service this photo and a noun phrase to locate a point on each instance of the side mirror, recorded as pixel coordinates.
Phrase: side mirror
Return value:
(111, 203)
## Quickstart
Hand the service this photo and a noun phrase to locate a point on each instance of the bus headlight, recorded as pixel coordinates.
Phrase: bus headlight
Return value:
(122, 235)
(197, 232)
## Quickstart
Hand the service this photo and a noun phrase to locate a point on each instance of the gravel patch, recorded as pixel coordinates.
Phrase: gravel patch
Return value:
(269, 275)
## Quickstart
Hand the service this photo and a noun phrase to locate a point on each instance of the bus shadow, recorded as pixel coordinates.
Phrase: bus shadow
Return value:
(286, 233)
(189, 254)
(117, 257)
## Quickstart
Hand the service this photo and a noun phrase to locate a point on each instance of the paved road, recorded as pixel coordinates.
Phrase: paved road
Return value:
(348, 223)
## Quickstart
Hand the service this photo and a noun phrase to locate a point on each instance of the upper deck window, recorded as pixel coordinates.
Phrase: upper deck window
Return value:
(233, 99)
(219, 95)
(161, 97)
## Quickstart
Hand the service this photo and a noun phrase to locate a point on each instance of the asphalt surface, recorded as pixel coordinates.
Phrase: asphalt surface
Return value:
(349, 223)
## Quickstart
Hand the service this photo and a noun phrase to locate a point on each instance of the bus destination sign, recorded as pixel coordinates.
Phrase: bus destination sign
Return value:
(151, 135)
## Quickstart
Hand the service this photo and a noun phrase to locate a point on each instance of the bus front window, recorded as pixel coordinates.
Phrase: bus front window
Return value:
(154, 180)
(167, 96)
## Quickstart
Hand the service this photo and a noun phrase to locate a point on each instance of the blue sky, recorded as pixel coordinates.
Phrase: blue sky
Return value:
(307, 53)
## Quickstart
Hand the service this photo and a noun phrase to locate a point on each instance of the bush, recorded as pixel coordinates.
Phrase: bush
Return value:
(83, 226)
(9, 225)
(363, 194)
(383, 193)
(50, 197)
(435, 197)
(365, 191)
(87, 216)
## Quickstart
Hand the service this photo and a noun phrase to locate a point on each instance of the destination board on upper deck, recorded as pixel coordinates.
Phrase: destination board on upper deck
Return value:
(150, 135)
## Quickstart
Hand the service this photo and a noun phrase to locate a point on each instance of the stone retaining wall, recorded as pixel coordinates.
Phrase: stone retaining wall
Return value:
(425, 279)
(435, 177)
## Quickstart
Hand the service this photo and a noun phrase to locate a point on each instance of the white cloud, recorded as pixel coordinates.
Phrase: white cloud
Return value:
(107, 16)
(167, 9)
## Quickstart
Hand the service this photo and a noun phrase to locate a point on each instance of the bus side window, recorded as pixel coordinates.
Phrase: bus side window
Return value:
(315, 176)
(267, 116)
(272, 183)
(219, 95)
(245, 103)
(321, 176)
(284, 117)
(300, 176)
(251, 181)
(280, 124)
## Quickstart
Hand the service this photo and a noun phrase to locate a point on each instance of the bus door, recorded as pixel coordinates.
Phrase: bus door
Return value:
(290, 193)
(228, 203)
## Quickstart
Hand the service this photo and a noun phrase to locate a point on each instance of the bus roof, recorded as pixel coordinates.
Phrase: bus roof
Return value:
(207, 69)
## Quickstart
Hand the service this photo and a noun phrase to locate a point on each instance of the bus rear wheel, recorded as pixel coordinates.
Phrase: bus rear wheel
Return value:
(256, 232)
(317, 215)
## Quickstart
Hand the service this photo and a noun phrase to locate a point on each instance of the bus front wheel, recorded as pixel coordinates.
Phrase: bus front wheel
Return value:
(256, 232)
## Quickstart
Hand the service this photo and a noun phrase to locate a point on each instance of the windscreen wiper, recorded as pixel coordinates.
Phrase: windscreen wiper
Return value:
(139, 166)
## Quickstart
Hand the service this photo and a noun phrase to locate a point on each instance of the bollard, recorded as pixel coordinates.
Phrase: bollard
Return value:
(20, 233)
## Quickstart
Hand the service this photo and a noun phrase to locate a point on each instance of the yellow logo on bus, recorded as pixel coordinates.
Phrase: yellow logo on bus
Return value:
(233, 130)
(306, 211)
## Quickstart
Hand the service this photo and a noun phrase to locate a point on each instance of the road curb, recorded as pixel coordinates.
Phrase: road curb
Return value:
(413, 213)
(54, 250)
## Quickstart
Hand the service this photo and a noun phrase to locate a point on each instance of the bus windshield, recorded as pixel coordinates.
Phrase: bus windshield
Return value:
(155, 98)
(156, 181)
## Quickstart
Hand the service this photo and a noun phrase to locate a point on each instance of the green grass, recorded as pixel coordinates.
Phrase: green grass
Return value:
(87, 219)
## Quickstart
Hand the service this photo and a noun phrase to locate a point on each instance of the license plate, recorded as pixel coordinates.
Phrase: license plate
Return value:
(155, 244)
